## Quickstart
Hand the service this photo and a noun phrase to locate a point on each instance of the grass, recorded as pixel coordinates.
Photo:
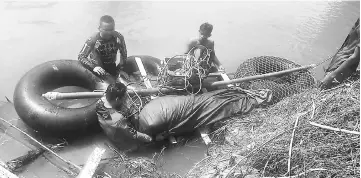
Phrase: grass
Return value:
(259, 143)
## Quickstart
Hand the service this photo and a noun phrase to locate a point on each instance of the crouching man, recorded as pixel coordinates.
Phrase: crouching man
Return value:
(118, 119)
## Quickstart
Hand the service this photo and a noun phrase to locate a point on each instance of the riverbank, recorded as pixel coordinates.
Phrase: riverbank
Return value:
(258, 144)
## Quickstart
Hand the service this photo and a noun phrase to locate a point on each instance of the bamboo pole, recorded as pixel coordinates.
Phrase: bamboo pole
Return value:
(263, 76)
(150, 91)
(99, 94)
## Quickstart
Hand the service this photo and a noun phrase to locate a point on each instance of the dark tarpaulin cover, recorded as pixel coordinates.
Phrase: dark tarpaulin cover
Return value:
(177, 115)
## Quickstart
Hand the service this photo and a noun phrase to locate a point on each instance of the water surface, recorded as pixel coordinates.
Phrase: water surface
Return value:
(305, 32)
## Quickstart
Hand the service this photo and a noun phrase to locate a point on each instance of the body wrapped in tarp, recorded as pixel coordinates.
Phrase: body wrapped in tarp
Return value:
(170, 115)
(177, 115)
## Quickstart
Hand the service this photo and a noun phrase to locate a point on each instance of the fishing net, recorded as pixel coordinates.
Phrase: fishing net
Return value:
(186, 72)
(281, 86)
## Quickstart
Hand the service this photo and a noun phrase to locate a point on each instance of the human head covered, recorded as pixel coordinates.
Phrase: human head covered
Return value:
(115, 92)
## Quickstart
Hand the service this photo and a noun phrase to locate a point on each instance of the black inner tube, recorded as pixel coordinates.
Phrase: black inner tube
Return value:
(42, 115)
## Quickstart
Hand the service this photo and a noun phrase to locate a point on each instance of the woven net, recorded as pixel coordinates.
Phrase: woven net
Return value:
(186, 72)
(281, 86)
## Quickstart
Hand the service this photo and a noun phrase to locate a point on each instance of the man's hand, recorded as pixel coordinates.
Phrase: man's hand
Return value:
(99, 70)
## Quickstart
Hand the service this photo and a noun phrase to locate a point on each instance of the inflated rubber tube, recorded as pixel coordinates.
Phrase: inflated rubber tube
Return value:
(42, 115)
(151, 64)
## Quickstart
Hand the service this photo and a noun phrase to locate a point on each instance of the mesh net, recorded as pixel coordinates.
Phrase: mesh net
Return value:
(186, 72)
(281, 86)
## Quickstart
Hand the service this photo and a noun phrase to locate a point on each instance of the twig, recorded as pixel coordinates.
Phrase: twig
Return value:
(254, 150)
(334, 129)
(334, 88)
(291, 143)
(4, 173)
(264, 169)
(313, 110)
(43, 146)
(8, 100)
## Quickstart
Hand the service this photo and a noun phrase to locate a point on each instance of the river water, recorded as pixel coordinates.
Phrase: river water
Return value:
(305, 32)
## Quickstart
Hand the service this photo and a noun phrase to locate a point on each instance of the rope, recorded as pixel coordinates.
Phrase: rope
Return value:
(191, 68)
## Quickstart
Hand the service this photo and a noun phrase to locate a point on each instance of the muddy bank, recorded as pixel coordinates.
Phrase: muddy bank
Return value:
(258, 144)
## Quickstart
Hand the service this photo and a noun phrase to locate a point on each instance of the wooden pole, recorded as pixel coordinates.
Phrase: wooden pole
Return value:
(92, 163)
(263, 76)
(334, 129)
(99, 94)
(150, 91)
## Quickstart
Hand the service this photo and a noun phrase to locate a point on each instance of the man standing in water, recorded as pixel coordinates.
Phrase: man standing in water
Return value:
(118, 118)
(102, 48)
(205, 31)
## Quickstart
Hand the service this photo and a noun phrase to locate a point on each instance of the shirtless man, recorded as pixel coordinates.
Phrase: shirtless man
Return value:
(205, 31)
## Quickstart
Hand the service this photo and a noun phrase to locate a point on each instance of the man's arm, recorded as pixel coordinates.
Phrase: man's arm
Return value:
(189, 46)
(122, 47)
(84, 53)
(215, 58)
(102, 113)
